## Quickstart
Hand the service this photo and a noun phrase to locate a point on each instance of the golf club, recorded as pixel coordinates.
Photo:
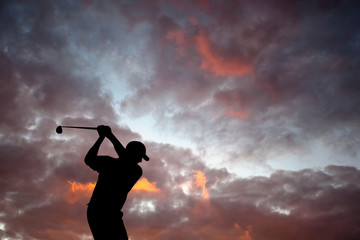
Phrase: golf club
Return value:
(59, 128)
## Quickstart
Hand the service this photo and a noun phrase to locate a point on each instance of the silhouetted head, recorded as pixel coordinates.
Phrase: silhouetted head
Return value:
(137, 151)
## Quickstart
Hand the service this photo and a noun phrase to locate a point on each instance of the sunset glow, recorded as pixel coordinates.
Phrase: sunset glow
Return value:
(200, 182)
(215, 63)
(249, 111)
(79, 187)
(144, 185)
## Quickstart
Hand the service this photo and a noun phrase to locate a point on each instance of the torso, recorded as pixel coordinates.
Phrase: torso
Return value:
(114, 183)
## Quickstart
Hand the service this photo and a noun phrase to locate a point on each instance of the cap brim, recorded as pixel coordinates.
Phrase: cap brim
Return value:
(146, 158)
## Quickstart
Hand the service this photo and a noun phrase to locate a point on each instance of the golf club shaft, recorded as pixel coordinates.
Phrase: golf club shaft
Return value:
(92, 128)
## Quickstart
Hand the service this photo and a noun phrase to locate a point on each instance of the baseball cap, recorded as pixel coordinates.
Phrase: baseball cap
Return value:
(137, 147)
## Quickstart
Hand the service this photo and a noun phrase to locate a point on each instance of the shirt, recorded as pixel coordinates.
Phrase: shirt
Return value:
(116, 179)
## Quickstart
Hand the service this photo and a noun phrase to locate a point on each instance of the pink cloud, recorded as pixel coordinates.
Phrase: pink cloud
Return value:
(180, 38)
(239, 114)
(43, 85)
(215, 63)
(205, 4)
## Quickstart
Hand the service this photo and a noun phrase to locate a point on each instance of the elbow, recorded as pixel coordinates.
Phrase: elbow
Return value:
(88, 160)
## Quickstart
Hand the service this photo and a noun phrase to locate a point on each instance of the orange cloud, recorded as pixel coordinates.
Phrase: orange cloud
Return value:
(217, 64)
(79, 187)
(144, 185)
(78, 191)
(200, 182)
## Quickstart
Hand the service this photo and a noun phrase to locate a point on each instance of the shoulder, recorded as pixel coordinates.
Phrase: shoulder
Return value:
(100, 163)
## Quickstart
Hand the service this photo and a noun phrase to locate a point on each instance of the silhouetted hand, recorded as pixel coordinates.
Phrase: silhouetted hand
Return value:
(104, 131)
(107, 131)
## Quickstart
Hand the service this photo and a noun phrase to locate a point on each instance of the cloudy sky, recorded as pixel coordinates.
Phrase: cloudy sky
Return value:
(250, 111)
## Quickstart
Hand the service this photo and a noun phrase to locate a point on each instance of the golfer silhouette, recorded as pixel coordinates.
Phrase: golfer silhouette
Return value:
(116, 178)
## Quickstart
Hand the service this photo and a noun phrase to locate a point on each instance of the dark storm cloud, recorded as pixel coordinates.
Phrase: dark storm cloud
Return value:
(304, 80)
(41, 88)
(278, 207)
(236, 208)
(310, 193)
(298, 80)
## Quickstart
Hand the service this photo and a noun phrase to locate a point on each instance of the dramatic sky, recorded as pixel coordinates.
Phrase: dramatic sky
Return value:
(250, 111)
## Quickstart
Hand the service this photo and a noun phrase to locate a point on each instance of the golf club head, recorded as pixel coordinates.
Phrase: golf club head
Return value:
(59, 130)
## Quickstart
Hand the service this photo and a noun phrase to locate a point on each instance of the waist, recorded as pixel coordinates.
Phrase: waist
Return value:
(107, 212)
(105, 203)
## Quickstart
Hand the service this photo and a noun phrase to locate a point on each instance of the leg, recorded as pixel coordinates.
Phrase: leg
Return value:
(95, 222)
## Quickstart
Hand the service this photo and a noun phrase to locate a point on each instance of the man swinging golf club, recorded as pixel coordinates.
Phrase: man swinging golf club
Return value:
(116, 178)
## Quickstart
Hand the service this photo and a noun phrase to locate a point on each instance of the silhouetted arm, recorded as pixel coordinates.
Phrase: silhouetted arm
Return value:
(91, 156)
(119, 148)
(98, 162)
